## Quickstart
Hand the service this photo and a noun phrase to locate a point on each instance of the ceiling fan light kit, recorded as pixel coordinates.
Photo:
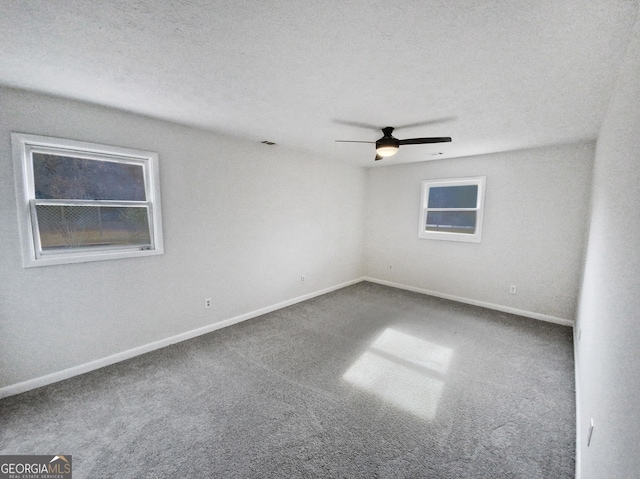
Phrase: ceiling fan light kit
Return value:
(386, 150)
(388, 145)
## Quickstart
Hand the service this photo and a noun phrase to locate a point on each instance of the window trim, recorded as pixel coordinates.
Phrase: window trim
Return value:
(476, 237)
(24, 145)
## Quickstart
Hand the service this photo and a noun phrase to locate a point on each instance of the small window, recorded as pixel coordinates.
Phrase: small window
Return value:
(85, 202)
(452, 209)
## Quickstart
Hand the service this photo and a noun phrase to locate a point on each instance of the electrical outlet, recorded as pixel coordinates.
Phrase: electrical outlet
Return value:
(207, 303)
(302, 278)
(512, 289)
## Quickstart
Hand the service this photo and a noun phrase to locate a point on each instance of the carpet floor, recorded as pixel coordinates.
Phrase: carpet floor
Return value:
(365, 382)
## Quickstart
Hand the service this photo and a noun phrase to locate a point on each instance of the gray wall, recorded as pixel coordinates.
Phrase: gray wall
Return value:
(536, 209)
(242, 222)
(607, 353)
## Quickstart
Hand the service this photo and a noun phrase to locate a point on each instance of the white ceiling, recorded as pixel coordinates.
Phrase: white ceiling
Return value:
(494, 75)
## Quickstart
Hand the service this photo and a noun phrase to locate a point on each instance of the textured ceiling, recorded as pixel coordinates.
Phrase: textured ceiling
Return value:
(494, 75)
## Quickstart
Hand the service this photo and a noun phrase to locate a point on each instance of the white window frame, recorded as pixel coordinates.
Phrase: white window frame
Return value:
(476, 237)
(24, 145)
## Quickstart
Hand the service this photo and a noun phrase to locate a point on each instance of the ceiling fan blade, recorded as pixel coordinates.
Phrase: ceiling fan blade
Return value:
(358, 124)
(353, 141)
(421, 141)
(435, 121)
(378, 157)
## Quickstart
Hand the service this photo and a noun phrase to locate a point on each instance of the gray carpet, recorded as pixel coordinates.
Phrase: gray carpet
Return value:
(364, 382)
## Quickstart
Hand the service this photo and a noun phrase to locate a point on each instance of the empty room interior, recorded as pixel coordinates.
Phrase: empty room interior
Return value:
(333, 239)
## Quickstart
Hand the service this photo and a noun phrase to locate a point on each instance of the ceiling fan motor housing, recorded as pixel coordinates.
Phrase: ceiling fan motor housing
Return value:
(387, 145)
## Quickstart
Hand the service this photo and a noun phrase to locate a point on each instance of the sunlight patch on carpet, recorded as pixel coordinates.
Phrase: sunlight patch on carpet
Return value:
(404, 370)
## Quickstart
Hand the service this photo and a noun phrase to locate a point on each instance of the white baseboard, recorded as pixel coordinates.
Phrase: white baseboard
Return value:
(30, 384)
(577, 375)
(460, 299)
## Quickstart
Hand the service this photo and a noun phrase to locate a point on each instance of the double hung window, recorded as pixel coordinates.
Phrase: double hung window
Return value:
(452, 209)
(85, 202)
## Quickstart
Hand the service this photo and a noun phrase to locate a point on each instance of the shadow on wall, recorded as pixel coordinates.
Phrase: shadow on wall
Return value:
(406, 371)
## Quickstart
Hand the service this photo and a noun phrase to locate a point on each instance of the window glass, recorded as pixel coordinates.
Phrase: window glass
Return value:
(453, 196)
(90, 226)
(63, 177)
(452, 221)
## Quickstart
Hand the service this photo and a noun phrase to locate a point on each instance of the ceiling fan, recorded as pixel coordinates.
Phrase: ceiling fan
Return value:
(388, 145)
